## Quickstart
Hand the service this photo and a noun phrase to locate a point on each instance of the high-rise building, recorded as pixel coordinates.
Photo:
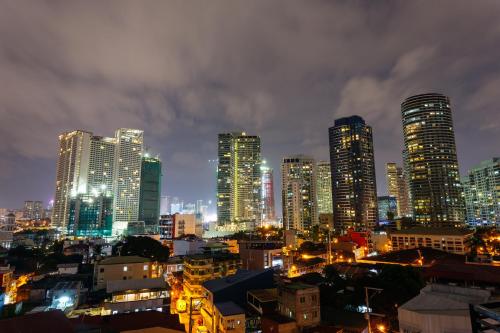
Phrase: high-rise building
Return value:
(127, 178)
(298, 192)
(386, 205)
(482, 193)
(91, 169)
(398, 187)
(267, 192)
(354, 190)
(33, 210)
(324, 187)
(149, 199)
(71, 174)
(238, 179)
(431, 161)
(165, 205)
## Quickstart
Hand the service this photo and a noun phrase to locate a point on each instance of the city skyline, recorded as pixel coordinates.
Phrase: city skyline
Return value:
(181, 117)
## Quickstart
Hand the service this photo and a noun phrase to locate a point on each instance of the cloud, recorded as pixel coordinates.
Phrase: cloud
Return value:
(183, 71)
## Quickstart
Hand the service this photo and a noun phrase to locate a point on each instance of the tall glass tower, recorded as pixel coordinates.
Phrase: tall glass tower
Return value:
(354, 189)
(431, 160)
(149, 199)
(239, 179)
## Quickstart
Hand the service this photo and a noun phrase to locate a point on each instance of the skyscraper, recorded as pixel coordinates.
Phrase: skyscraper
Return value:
(398, 187)
(33, 210)
(354, 189)
(71, 174)
(298, 192)
(431, 160)
(91, 169)
(127, 178)
(149, 199)
(324, 187)
(238, 179)
(267, 192)
(482, 193)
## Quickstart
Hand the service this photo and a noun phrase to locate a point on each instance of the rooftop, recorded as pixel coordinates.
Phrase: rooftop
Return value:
(123, 260)
(229, 308)
(452, 300)
(434, 231)
(41, 322)
(265, 295)
(241, 275)
(126, 322)
(297, 286)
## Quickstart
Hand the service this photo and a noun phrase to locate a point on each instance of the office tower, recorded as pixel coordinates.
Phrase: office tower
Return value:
(354, 190)
(398, 188)
(298, 192)
(149, 198)
(431, 160)
(90, 215)
(33, 210)
(95, 177)
(267, 192)
(324, 187)
(238, 179)
(387, 204)
(482, 193)
(127, 178)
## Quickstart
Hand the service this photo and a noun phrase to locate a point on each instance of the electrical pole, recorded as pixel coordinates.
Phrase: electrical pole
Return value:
(367, 301)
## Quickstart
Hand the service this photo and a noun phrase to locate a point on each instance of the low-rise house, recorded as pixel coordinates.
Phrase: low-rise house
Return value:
(261, 254)
(123, 268)
(300, 302)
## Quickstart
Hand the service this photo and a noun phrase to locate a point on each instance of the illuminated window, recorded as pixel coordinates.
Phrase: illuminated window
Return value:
(125, 268)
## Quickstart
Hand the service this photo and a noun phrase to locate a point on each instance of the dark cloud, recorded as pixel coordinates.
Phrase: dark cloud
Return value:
(184, 71)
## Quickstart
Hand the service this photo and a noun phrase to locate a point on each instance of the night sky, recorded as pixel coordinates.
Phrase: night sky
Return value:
(186, 70)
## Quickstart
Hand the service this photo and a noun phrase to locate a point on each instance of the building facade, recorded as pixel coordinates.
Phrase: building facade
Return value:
(238, 179)
(149, 199)
(387, 205)
(298, 192)
(354, 190)
(324, 187)
(33, 210)
(267, 192)
(431, 160)
(397, 187)
(127, 178)
(482, 193)
(453, 240)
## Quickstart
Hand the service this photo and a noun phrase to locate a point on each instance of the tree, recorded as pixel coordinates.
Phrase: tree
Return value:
(142, 246)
